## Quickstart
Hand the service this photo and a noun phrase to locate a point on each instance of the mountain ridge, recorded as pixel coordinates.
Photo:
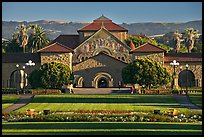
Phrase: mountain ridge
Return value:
(57, 27)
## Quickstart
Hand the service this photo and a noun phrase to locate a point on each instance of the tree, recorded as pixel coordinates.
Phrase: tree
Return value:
(176, 38)
(145, 72)
(51, 76)
(190, 34)
(28, 41)
(138, 40)
(12, 45)
(37, 38)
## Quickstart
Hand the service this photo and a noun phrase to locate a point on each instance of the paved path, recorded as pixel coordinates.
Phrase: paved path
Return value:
(185, 101)
(101, 91)
(21, 102)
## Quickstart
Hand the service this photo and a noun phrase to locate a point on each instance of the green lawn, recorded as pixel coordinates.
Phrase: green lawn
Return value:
(104, 128)
(69, 102)
(196, 99)
(8, 100)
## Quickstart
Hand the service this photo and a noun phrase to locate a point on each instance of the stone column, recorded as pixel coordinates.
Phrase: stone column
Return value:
(175, 82)
(199, 82)
(70, 61)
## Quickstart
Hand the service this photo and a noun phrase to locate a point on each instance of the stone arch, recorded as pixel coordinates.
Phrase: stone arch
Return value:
(18, 79)
(80, 81)
(105, 50)
(121, 57)
(186, 78)
(102, 76)
(82, 57)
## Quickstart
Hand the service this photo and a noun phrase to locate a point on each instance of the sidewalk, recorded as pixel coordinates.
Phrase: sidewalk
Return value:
(21, 102)
(185, 101)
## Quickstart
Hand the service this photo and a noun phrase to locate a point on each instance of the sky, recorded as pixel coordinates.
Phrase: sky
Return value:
(118, 12)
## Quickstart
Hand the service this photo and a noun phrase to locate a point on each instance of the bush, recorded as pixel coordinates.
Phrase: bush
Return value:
(52, 75)
(77, 117)
(45, 91)
(9, 90)
(14, 91)
(175, 92)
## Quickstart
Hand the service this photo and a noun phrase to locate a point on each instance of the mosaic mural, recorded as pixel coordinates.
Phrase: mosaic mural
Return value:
(102, 42)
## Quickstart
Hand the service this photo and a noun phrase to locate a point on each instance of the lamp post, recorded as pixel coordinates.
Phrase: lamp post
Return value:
(24, 79)
(175, 77)
(17, 81)
(186, 79)
(30, 63)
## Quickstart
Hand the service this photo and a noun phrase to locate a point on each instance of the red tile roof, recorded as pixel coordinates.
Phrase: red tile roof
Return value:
(107, 23)
(183, 57)
(147, 47)
(55, 47)
(71, 41)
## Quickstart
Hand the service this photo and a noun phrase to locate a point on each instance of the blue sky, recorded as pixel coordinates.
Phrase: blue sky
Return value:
(119, 12)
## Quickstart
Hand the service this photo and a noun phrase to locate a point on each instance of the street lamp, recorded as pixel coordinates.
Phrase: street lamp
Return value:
(175, 77)
(24, 79)
(186, 79)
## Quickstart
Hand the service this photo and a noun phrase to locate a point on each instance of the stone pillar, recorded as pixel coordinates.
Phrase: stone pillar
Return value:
(70, 61)
(199, 82)
(175, 82)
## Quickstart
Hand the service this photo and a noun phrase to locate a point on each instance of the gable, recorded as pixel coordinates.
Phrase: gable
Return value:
(101, 41)
(56, 48)
(100, 60)
(147, 47)
(102, 38)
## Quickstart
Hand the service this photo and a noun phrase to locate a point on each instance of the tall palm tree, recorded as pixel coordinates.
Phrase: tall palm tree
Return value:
(22, 37)
(190, 34)
(176, 38)
(37, 39)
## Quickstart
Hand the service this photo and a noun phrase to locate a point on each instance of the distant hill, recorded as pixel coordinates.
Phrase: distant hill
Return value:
(55, 28)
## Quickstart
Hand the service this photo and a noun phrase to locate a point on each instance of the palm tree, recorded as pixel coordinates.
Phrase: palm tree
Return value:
(176, 39)
(23, 37)
(12, 45)
(190, 34)
(37, 39)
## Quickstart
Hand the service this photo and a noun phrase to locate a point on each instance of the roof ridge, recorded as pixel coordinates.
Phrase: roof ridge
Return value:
(53, 44)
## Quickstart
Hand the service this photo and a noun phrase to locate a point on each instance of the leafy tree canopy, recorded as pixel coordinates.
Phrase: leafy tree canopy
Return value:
(51, 76)
(145, 72)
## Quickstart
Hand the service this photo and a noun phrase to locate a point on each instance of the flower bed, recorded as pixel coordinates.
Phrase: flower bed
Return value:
(101, 116)
(45, 91)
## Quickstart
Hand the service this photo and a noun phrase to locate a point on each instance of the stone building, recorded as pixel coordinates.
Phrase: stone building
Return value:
(98, 54)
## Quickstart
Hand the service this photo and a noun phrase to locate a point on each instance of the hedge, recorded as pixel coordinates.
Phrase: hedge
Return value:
(45, 91)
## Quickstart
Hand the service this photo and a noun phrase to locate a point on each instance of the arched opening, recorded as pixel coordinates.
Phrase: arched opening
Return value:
(102, 80)
(102, 83)
(18, 79)
(102, 50)
(79, 82)
(186, 78)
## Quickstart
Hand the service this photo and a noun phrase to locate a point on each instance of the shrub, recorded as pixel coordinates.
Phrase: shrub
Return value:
(175, 92)
(51, 75)
(45, 91)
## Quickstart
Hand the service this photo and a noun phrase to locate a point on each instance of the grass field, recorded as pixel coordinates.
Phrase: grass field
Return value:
(69, 102)
(8, 100)
(104, 128)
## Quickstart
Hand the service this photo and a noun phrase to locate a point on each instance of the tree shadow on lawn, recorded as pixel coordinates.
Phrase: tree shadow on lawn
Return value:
(136, 99)
(101, 125)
